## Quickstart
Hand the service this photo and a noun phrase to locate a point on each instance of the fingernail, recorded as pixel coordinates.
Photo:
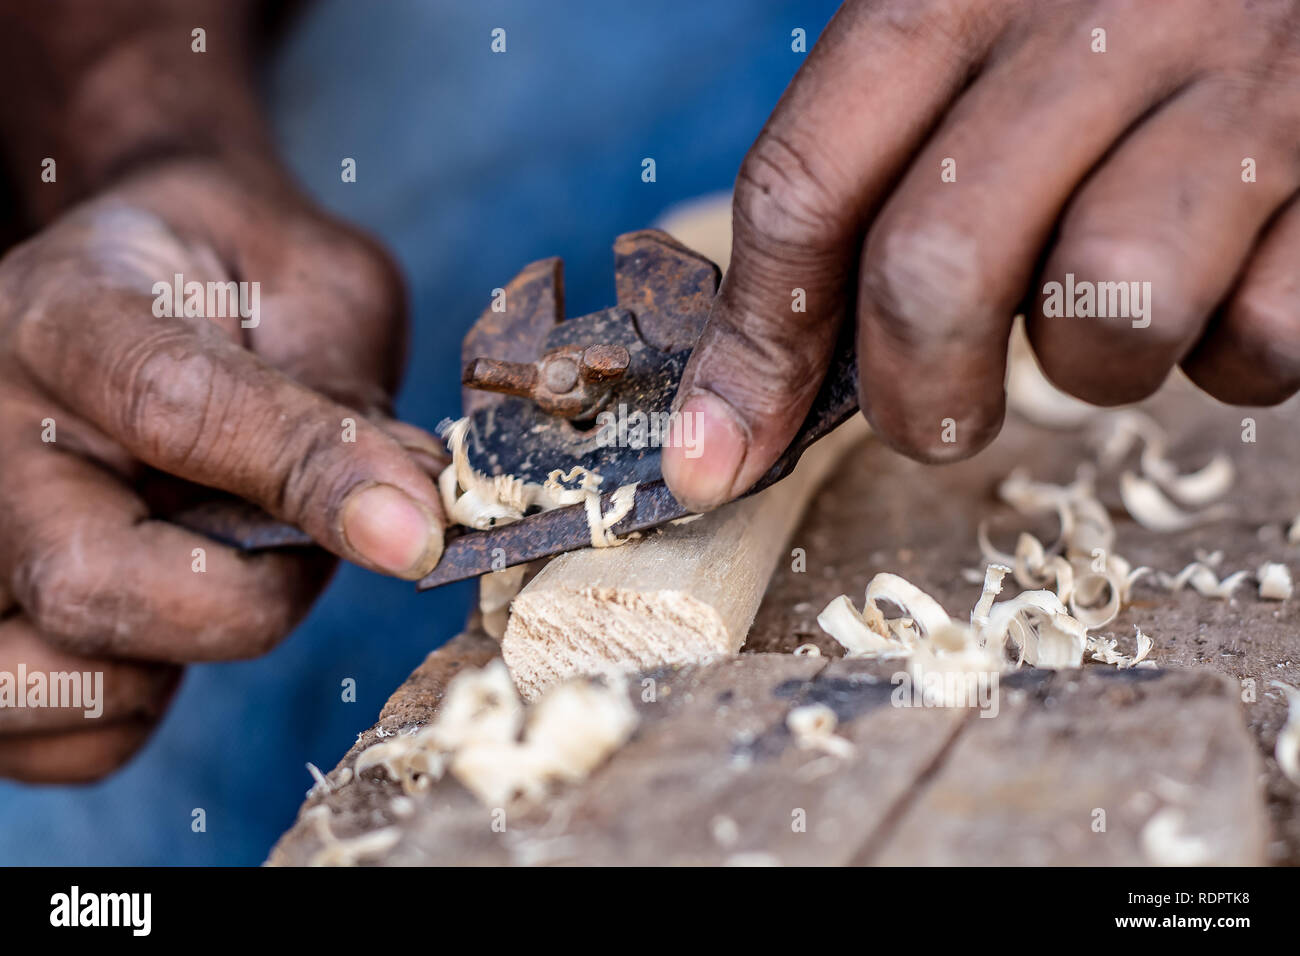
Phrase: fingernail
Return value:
(389, 529)
(705, 481)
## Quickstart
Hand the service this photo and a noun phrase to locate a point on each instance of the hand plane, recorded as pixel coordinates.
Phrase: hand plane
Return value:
(543, 392)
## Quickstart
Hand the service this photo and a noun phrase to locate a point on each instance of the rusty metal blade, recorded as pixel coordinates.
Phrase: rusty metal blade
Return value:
(553, 532)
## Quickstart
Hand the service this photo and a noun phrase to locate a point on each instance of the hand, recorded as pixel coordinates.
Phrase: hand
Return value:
(1129, 165)
(99, 396)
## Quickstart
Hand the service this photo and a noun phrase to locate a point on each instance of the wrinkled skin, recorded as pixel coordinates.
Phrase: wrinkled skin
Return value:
(1124, 165)
(88, 582)
(1117, 166)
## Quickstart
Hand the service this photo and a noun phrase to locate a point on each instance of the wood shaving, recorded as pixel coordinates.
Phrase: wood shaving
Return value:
(1150, 507)
(813, 726)
(335, 851)
(1274, 581)
(1203, 581)
(1193, 490)
(1287, 749)
(501, 751)
(477, 501)
(1103, 650)
(1165, 841)
(1037, 622)
(496, 590)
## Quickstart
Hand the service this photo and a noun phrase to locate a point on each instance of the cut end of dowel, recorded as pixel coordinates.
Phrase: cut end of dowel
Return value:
(559, 633)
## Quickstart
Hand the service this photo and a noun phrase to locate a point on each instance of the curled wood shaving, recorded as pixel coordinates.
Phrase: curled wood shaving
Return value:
(863, 634)
(919, 607)
(814, 726)
(1193, 490)
(500, 750)
(1203, 581)
(1103, 649)
(1037, 622)
(1287, 749)
(1153, 510)
(475, 500)
(1274, 581)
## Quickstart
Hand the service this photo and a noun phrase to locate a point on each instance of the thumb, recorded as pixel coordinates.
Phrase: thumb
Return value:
(764, 351)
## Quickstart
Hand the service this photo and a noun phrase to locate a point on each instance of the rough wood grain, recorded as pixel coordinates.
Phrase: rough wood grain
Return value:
(714, 776)
(1086, 768)
(683, 594)
(881, 512)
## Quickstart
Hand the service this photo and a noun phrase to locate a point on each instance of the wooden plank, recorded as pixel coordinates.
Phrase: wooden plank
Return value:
(681, 594)
(881, 512)
(714, 776)
(1160, 759)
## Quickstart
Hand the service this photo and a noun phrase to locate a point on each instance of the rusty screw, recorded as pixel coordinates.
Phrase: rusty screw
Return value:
(604, 363)
(570, 381)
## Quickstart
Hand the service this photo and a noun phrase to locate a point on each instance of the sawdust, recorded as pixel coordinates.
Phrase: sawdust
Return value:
(1079, 583)
(1274, 581)
(813, 727)
(477, 501)
(501, 750)
(474, 500)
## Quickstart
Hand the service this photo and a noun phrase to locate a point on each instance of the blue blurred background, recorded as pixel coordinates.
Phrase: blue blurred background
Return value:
(470, 164)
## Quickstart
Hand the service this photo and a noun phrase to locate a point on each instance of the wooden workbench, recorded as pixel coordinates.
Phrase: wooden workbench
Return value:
(713, 775)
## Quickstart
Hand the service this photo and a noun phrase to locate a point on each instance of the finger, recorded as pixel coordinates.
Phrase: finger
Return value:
(333, 315)
(96, 576)
(75, 692)
(1251, 353)
(193, 404)
(74, 756)
(947, 262)
(1157, 238)
(428, 451)
(853, 115)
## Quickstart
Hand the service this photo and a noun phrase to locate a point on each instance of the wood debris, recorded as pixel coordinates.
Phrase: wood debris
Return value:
(476, 501)
(1274, 581)
(814, 726)
(1287, 749)
(336, 851)
(499, 749)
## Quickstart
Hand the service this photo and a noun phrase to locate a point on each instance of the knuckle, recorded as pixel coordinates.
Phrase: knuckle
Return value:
(361, 271)
(927, 282)
(1130, 275)
(1267, 325)
(766, 381)
(165, 394)
(313, 473)
(783, 203)
(58, 594)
